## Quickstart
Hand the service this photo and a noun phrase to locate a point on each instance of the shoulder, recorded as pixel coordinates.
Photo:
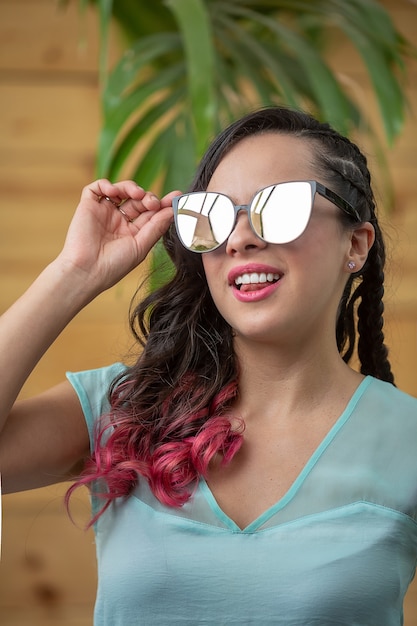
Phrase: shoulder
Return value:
(385, 412)
(99, 377)
(92, 388)
(387, 398)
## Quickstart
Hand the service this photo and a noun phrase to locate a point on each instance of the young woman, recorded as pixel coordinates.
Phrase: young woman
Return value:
(241, 472)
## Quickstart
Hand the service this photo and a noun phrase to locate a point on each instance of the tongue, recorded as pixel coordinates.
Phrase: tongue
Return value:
(253, 287)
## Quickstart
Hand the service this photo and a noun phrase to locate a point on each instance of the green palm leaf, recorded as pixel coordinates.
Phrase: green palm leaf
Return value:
(198, 46)
(115, 119)
(137, 134)
(225, 57)
(190, 66)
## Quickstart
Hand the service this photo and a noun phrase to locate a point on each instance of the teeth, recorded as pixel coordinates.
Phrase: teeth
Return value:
(254, 278)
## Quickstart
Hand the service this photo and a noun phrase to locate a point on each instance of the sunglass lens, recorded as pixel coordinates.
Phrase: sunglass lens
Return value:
(280, 213)
(204, 220)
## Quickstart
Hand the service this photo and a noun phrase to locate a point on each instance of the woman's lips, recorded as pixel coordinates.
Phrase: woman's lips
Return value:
(255, 293)
(254, 282)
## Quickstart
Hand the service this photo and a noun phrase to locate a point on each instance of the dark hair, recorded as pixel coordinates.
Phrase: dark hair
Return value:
(344, 168)
(186, 376)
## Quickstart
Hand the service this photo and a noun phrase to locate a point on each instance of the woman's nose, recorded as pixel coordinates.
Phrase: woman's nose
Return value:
(243, 237)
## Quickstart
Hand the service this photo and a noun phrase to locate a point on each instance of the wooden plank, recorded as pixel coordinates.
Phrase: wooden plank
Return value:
(62, 615)
(410, 606)
(45, 179)
(401, 338)
(42, 549)
(45, 123)
(42, 36)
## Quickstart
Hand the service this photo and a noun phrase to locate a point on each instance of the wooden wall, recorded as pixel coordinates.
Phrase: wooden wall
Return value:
(49, 120)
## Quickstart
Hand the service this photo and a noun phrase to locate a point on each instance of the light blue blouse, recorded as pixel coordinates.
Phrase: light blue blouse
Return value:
(339, 548)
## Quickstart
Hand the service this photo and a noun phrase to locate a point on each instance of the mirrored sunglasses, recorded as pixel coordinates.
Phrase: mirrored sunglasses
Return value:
(277, 214)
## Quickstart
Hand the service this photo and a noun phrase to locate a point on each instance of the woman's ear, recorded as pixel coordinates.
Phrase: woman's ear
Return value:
(361, 241)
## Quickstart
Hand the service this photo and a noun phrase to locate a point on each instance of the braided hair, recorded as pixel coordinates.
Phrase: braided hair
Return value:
(342, 161)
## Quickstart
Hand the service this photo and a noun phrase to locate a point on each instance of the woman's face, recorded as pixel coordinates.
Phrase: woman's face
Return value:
(304, 278)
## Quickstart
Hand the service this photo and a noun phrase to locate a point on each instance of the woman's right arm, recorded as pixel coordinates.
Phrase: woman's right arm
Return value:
(45, 439)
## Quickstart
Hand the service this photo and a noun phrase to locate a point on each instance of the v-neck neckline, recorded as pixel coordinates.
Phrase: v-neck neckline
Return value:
(300, 479)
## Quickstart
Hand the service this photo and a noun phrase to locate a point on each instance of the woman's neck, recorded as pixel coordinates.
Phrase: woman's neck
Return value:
(274, 382)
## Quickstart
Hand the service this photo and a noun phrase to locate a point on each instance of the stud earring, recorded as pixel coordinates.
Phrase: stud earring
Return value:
(351, 265)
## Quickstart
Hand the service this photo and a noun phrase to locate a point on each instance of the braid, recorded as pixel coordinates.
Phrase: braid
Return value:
(372, 351)
(346, 168)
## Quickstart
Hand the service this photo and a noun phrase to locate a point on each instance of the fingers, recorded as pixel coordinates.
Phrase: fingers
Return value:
(117, 192)
(124, 190)
(134, 198)
(130, 199)
(167, 199)
(150, 228)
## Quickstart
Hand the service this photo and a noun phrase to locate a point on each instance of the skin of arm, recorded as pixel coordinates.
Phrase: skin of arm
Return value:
(44, 439)
(50, 432)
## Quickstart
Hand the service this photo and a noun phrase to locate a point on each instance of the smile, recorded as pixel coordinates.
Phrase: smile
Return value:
(255, 278)
(253, 282)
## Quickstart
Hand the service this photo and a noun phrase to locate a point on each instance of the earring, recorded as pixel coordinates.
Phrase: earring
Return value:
(351, 265)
